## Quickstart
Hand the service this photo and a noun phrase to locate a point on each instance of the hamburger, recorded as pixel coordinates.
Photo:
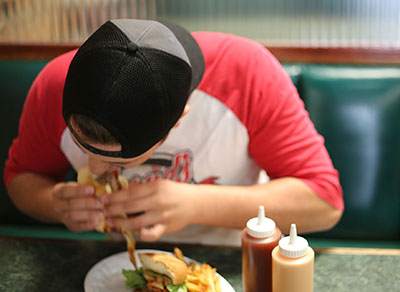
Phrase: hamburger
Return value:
(159, 273)
(107, 183)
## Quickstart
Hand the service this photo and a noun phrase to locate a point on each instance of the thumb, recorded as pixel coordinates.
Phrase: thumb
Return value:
(152, 233)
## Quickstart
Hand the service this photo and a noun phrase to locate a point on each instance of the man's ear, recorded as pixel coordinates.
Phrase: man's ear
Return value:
(185, 111)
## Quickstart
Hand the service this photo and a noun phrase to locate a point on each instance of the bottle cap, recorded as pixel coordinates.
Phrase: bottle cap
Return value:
(260, 226)
(293, 246)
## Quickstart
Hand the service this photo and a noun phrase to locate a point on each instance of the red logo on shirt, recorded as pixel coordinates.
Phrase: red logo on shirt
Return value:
(176, 167)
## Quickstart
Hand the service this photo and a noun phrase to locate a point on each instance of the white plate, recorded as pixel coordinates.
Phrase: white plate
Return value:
(107, 276)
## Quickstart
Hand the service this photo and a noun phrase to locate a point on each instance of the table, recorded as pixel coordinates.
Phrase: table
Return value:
(31, 264)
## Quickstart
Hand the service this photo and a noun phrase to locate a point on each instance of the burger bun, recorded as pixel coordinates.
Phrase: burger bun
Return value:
(165, 264)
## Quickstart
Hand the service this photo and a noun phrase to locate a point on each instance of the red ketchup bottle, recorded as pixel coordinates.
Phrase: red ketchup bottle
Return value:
(258, 240)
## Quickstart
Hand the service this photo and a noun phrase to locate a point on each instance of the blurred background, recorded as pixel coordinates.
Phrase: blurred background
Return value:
(289, 23)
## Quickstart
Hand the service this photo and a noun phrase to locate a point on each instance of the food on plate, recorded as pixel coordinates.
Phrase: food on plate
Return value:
(107, 183)
(159, 272)
(202, 278)
(179, 254)
(164, 272)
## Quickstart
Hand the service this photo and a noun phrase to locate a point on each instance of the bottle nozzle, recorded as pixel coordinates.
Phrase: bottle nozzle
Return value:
(293, 234)
(260, 226)
(293, 246)
(261, 215)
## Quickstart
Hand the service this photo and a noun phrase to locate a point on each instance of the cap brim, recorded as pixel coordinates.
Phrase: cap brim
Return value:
(192, 49)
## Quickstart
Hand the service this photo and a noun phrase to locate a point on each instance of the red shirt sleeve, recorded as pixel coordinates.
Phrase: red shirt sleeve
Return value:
(282, 139)
(285, 142)
(37, 146)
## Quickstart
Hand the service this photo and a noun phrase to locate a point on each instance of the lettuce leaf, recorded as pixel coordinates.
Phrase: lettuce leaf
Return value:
(134, 279)
(177, 288)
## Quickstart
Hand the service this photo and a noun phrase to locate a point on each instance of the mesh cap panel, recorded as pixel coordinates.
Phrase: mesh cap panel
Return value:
(136, 92)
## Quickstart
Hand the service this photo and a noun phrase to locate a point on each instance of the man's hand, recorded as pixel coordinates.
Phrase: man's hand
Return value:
(153, 209)
(169, 206)
(77, 206)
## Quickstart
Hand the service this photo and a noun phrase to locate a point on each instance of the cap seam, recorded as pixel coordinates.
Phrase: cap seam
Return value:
(158, 74)
(145, 31)
(112, 80)
(139, 37)
(159, 77)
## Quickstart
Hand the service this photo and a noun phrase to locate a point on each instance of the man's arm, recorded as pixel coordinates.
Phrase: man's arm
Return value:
(36, 162)
(286, 201)
(32, 194)
(169, 206)
(41, 197)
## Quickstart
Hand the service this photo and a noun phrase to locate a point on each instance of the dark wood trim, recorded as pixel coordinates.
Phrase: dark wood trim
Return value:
(356, 56)
(360, 251)
(34, 51)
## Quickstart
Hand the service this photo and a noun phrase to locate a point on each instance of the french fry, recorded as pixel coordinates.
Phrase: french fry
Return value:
(201, 277)
(192, 287)
(192, 279)
(178, 253)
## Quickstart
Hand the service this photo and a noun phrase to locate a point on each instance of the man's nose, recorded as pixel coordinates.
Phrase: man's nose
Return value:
(97, 166)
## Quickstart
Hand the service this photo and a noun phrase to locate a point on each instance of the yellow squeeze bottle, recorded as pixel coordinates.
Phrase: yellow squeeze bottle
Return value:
(292, 264)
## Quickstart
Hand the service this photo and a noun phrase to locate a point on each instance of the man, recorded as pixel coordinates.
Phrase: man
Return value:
(190, 120)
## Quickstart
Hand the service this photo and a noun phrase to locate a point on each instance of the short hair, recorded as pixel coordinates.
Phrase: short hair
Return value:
(92, 130)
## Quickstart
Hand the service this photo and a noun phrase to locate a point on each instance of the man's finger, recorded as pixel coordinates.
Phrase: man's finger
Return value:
(85, 203)
(79, 203)
(138, 221)
(134, 191)
(128, 208)
(72, 189)
(152, 233)
(79, 216)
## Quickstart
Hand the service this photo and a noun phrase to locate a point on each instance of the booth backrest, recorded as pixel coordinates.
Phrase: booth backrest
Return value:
(355, 108)
(16, 78)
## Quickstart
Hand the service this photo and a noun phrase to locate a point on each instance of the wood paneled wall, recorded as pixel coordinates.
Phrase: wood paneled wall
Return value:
(360, 56)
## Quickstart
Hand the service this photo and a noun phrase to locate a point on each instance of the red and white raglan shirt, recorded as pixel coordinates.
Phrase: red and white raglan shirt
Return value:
(246, 117)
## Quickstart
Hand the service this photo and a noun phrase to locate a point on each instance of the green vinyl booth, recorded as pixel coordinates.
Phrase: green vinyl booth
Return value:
(355, 108)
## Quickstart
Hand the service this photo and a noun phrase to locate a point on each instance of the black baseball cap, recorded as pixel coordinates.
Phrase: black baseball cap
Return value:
(133, 77)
